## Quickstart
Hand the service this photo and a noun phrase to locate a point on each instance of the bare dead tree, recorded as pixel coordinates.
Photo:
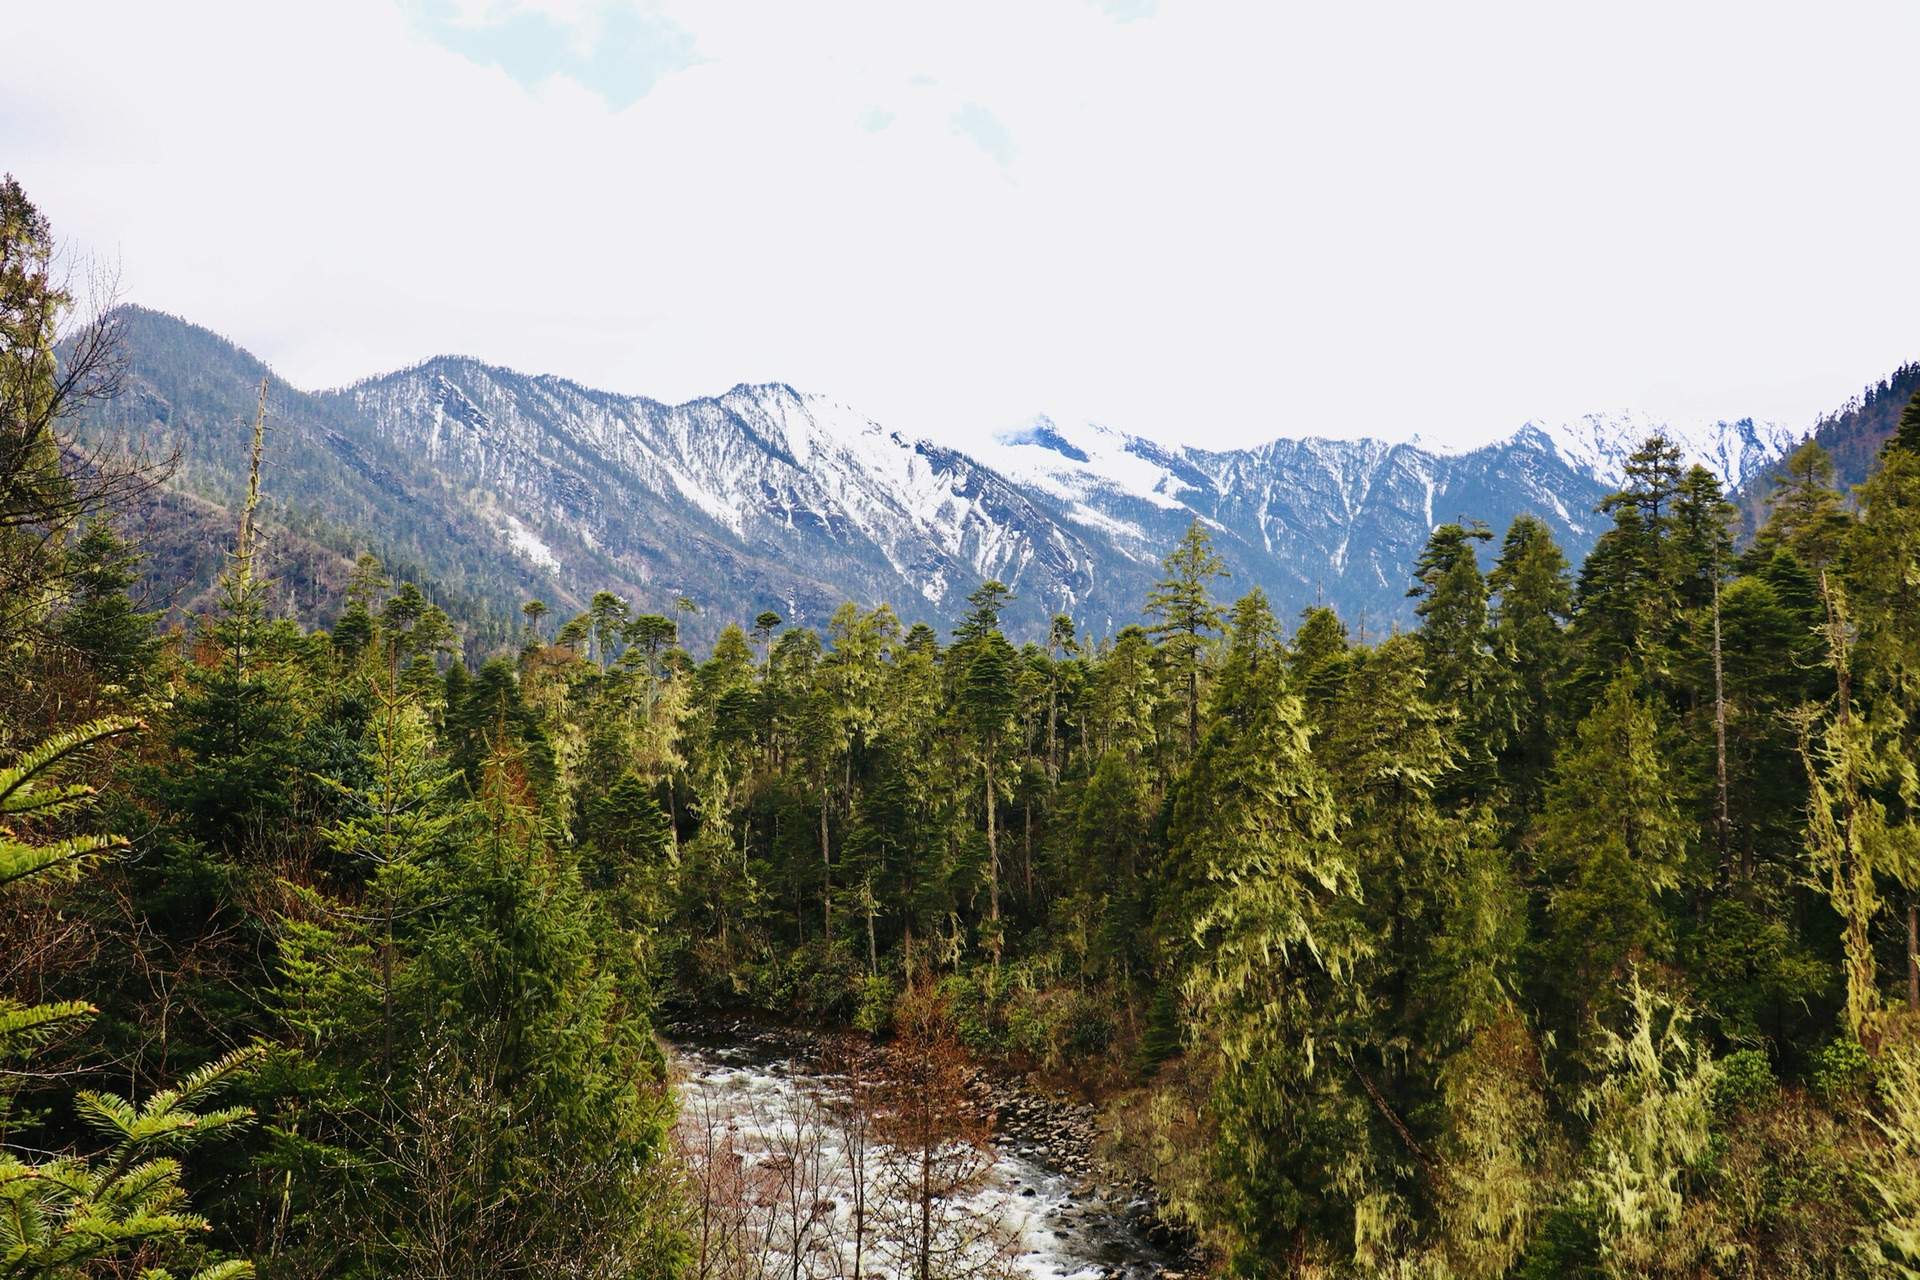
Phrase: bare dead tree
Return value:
(447, 1216)
(57, 357)
(938, 1153)
(879, 1166)
(855, 1110)
(714, 1181)
(797, 1176)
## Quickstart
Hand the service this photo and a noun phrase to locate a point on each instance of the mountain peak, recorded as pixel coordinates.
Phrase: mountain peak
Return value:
(1042, 433)
(1601, 443)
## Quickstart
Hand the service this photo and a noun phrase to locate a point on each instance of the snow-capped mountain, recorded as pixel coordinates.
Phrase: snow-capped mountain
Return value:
(1344, 520)
(760, 494)
(1074, 516)
(509, 485)
(1735, 451)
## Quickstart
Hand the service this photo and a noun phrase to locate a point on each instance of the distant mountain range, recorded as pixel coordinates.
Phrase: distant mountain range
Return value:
(493, 486)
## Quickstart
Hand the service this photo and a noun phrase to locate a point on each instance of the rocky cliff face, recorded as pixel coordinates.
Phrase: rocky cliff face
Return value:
(510, 485)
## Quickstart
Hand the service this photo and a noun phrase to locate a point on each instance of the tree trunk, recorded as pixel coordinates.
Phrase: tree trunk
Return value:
(1720, 732)
(1193, 701)
(826, 875)
(1913, 954)
(926, 1209)
(1853, 877)
(993, 848)
(386, 989)
(1053, 736)
(993, 863)
(1026, 855)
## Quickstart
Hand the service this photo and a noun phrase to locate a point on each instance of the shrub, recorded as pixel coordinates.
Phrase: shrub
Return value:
(1745, 1078)
(1841, 1071)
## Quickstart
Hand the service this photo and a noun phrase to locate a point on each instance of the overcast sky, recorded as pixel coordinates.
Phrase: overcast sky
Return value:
(1206, 220)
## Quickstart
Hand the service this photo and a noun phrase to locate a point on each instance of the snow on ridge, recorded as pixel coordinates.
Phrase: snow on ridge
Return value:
(1600, 443)
(1078, 460)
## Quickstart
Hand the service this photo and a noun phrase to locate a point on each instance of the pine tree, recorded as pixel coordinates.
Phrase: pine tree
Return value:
(357, 629)
(1626, 601)
(1614, 841)
(987, 703)
(1317, 656)
(1439, 907)
(1880, 557)
(1907, 434)
(1256, 822)
(1804, 512)
(1452, 613)
(1187, 614)
(1532, 601)
(100, 621)
(240, 724)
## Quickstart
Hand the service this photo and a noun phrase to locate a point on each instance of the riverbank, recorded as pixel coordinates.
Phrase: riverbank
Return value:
(1080, 1220)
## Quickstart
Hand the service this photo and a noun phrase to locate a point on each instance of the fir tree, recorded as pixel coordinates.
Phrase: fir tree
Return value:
(1804, 512)
(100, 621)
(1528, 637)
(1614, 840)
(1187, 614)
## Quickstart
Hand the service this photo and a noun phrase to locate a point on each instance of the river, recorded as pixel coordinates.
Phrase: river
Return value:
(757, 1120)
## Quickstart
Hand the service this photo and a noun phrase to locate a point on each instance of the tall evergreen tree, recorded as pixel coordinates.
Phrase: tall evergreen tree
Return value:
(1804, 511)
(1184, 606)
(1256, 820)
(1532, 601)
(1614, 844)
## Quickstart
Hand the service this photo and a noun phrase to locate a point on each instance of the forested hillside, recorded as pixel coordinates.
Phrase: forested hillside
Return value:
(184, 393)
(1571, 933)
(1851, 437)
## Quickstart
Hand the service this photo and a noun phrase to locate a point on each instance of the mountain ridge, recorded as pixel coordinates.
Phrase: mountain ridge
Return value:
(510, 485)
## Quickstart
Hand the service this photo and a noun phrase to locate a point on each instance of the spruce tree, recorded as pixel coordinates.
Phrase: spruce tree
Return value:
(100, 622)
(1614, 842)
(1804, 511)
(1256, 823)
(1452, 612)
(986, 704)
(1532, 601)
(1626, 601)
(1184, 606)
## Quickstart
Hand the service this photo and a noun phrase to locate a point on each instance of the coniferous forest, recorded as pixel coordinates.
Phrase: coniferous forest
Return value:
(1571, 933)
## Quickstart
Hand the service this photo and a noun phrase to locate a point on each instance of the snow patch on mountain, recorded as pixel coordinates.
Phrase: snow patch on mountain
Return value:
(1602, 442)
(1073, 461)
(527, 543)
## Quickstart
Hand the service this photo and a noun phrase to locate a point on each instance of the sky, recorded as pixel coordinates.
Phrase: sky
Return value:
(1204, 220)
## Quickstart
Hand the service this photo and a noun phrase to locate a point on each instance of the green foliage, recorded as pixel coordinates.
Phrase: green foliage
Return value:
(1614, 841)
(1895, 1167)
(63, 1217)
(1650, 1112)
(1745, 1079)
(1842, 1070)
(60, 1217)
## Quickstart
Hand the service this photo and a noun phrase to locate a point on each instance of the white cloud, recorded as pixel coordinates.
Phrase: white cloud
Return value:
(986, 131)
(1229, 215)
(616, 49)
